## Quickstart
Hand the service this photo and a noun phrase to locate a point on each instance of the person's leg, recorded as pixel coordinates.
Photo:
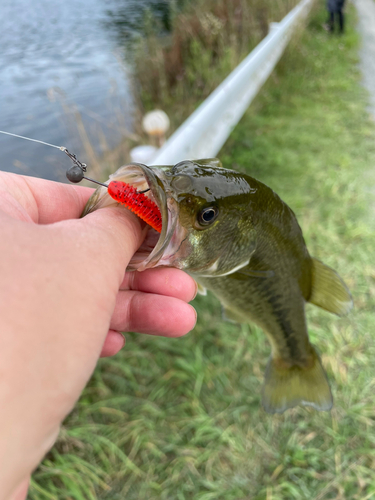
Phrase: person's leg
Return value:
(341, 20)
(331, 21)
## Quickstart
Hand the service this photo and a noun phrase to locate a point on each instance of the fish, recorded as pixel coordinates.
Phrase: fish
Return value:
(239, 240)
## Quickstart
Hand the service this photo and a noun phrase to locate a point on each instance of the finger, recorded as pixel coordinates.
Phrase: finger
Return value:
(56, 201)
(45, 201)
(21, 492)
(113, 234)
(162, 281)
(152, 314)
(113, 343)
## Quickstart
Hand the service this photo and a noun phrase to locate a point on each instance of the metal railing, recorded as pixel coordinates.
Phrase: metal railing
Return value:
(203, 134)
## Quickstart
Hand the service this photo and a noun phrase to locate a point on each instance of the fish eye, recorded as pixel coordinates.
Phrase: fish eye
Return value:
(207, 215)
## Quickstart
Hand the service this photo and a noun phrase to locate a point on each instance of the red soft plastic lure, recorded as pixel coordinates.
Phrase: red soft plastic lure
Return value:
(138, 203)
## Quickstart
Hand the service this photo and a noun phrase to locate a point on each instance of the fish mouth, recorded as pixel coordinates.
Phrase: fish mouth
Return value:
(156, 249)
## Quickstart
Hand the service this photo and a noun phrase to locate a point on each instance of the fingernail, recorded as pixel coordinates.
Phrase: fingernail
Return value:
(196, 316)
(196, 290)
(124, 340)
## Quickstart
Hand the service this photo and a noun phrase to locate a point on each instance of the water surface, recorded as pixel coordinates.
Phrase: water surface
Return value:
(57, 58)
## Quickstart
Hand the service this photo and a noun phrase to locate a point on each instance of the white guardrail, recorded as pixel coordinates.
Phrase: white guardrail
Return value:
(203, 134)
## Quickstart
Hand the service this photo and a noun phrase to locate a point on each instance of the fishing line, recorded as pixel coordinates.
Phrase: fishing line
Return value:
(61, 148)
(76, 172)
(72, 175)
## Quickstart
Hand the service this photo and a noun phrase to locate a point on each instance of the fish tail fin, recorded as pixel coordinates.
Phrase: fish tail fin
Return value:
(285, 387)
(328, 290)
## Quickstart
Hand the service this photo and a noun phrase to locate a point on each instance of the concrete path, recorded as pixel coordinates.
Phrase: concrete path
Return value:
(366, 27)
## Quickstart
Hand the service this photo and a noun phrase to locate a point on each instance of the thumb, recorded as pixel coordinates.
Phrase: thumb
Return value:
(114, 235)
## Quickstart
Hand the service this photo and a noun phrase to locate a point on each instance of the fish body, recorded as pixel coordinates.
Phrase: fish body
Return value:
(238, 239)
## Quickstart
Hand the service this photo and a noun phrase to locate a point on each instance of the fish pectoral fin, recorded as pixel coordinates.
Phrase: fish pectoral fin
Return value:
(328, 290)
(288, 387)
(257, 274)
(201, 289)
(232, 316)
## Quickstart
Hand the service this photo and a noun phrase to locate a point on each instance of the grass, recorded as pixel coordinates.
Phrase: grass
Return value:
(208, 39)
(181, 418)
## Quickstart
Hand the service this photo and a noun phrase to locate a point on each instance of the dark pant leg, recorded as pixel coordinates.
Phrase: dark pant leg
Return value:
(341, 20)
(331, 21)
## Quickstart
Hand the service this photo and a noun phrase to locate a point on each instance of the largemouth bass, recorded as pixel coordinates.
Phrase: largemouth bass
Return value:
(237, 238)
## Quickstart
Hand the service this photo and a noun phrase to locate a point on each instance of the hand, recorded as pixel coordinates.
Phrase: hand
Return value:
(64, 298)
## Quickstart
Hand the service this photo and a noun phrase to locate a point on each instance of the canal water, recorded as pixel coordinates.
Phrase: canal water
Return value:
(61, 64)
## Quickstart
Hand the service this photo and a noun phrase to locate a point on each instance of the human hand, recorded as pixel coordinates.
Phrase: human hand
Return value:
(64, 296)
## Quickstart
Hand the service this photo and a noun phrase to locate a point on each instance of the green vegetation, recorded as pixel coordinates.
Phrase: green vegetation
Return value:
(176, 70)
(208, 39)
(181, 418)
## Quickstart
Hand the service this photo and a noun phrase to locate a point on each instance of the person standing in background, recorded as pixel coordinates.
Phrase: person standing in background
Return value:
(335, 8)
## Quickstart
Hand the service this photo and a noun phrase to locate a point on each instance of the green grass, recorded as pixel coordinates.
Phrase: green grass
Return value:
(208, 39)
(179, 419)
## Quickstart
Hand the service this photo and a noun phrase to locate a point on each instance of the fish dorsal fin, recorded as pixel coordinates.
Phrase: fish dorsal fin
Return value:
(328, 290)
